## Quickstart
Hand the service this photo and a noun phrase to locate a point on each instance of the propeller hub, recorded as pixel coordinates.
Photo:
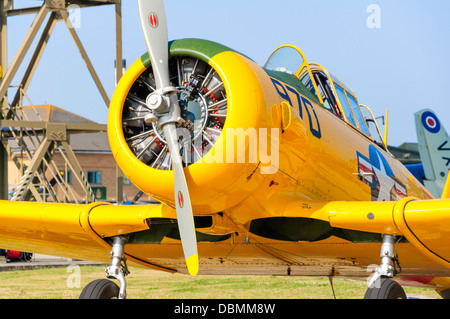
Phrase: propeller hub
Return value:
(156, 103)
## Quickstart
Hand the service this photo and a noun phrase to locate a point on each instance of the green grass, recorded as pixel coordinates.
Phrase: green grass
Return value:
(57, 283)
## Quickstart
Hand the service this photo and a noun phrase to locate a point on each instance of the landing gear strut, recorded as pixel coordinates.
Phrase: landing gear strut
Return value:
(106, 289)
(381, 285)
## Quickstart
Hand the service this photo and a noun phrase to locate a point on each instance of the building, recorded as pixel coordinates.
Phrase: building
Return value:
(91, 150)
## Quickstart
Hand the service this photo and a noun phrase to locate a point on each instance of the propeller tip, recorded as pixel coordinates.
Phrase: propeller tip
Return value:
(192, 264)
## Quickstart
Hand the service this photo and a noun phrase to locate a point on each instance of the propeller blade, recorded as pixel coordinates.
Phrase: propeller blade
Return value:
(182, 201)
(154, 27)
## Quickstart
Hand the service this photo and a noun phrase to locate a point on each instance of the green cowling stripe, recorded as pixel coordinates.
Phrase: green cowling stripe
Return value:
(293, 81)
(202, 49)
(205, 50)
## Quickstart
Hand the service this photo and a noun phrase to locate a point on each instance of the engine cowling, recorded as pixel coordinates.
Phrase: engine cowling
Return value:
(222, 104)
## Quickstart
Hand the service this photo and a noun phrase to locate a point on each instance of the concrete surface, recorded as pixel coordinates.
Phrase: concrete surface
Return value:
(42, 261)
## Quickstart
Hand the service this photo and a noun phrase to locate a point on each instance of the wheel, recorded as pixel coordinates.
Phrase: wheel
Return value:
(445, 294)
(389, 289)
(26, 256)
(100, 289)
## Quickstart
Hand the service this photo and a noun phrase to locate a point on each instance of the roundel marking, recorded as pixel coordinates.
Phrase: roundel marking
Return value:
(430, 122)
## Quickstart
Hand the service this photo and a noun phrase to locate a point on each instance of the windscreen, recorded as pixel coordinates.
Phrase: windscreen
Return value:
(285, 59)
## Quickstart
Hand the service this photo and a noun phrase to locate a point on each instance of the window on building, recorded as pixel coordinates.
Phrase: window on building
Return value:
(64, 178)
(94, 177)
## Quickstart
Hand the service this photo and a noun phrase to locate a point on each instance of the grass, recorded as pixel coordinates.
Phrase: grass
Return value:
(67, 283)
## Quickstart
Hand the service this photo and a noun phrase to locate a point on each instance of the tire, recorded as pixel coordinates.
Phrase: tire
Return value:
(389, 289)
(100, 289)
(445, 294)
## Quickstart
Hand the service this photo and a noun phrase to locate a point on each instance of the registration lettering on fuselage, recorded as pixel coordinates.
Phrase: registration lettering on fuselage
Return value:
(300, 104)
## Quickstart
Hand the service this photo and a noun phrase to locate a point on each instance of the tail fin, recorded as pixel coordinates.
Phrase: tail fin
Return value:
(434, 149)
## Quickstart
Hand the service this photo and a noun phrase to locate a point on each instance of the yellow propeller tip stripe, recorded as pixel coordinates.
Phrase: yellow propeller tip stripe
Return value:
(192, 264)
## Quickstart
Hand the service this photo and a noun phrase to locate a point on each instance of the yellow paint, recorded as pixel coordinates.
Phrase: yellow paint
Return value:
(276, 115)
(285, 115)
(372, 217)
(446, 191)
(192, 264)
(47, 228)
(427, 225)
(113, 220)
(385, 138)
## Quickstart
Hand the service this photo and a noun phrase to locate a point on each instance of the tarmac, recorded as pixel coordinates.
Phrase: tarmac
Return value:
(39, 261)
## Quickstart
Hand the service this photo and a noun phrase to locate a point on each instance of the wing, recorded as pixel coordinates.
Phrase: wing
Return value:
(74, 231)
(424, 223)
(300, 237)
(352, 231)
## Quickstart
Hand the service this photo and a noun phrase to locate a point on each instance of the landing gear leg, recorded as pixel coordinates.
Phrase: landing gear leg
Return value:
(116, 270)
(381, 285)
(106, 289)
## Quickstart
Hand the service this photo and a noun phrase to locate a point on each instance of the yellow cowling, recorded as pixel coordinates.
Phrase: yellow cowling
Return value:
(220, 180)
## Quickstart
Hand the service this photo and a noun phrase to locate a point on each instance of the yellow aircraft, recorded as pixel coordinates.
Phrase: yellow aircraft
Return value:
(273, 170)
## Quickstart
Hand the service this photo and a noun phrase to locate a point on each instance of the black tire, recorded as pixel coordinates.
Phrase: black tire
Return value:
(445, 294)
(100, 289)
(389, 289)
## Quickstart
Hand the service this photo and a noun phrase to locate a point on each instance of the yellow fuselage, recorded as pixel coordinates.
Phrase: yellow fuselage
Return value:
(317, 152)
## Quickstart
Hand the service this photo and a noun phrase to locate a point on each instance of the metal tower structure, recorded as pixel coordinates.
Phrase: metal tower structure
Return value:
(40, 176)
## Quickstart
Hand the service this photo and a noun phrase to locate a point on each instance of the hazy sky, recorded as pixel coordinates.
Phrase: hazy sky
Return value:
(402, 65)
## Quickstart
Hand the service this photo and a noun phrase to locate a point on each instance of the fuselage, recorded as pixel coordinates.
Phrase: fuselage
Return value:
(292, 145)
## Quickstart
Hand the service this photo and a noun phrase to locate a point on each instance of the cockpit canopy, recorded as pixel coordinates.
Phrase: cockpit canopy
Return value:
(334, 95)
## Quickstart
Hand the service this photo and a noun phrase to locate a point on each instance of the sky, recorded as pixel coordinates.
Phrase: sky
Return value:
(396, 57)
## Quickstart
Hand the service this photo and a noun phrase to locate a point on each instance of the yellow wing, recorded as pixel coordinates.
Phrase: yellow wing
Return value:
(85, 232)
(424, 223)
(74, 231)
